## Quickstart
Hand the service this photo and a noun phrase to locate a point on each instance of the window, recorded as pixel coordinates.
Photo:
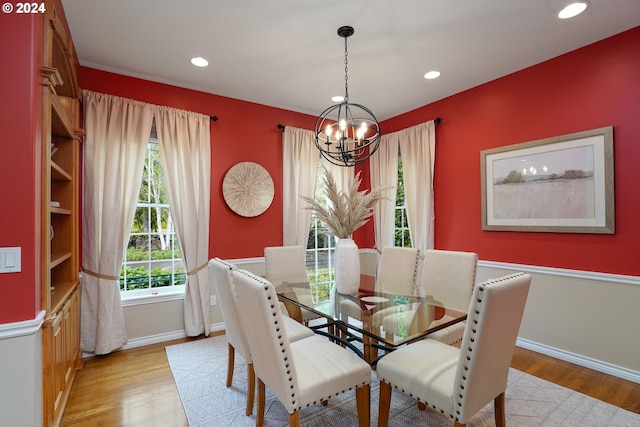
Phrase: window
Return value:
(320, 247)
(401, 228)
(152, 259)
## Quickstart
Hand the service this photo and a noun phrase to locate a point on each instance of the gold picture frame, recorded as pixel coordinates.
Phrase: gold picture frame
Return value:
(562, 184)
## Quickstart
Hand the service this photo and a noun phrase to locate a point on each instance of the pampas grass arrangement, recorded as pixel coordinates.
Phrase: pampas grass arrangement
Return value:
(346, 211)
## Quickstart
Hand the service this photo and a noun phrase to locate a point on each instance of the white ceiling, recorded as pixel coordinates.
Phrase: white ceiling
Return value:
(287, 54)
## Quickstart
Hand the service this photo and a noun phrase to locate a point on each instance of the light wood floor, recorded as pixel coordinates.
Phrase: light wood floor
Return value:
(136, 388)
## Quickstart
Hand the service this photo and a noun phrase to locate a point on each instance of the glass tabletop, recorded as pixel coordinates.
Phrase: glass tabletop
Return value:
(380, 321)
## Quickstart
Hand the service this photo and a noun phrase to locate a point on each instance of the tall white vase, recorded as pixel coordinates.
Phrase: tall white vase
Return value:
(347, 266)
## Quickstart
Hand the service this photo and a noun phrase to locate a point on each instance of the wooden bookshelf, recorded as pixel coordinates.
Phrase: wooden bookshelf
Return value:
(62, 135)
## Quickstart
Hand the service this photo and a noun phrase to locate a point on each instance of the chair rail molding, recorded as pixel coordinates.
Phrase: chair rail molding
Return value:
(22, 328)
(576, 274)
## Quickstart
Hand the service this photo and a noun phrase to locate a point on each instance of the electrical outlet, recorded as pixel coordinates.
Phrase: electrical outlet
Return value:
(212, 300)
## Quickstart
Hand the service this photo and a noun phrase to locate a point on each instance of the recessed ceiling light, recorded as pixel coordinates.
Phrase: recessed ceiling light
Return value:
(573, 9)
(199, 62)
(432, 75)
(337, 98)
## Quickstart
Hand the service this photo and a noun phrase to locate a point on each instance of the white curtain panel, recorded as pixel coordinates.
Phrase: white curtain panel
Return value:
(418, 152)
(184, 141)
(383, 171)
(116, 135)
(299, 168)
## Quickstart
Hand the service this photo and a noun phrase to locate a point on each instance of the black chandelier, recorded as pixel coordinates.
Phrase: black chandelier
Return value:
(347, 134)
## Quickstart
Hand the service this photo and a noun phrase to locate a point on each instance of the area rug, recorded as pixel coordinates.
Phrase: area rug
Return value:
(200, 368)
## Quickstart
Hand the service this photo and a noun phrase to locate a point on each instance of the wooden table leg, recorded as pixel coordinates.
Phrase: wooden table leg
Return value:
(366, 340)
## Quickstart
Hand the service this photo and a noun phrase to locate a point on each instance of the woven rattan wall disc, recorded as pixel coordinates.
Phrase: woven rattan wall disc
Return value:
(247, 189)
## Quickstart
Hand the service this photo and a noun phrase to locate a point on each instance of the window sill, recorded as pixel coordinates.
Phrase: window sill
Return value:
(152, 296)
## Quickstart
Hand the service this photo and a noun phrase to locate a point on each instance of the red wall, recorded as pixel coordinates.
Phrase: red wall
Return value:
(592, 87)
(20, 145)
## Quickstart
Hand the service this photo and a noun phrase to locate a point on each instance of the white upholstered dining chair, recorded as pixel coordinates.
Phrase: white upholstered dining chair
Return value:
(448, 278)
(396, 275)
(220, 275)
(461, 381)
(397, 270)
(301, 373)
(287, 264)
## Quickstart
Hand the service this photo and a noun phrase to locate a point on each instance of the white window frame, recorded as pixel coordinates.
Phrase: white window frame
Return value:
(319, 257)
(401, 209)
(170, 292)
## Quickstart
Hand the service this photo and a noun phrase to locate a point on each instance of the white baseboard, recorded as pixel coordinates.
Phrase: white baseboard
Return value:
(580, 360)
(159, 338)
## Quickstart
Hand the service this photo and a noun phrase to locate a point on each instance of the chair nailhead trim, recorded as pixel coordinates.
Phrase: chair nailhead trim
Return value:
(336, 394)
(469, 350)
(418, 399)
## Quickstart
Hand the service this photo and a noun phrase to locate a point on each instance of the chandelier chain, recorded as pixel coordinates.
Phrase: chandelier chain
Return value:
(346, 72)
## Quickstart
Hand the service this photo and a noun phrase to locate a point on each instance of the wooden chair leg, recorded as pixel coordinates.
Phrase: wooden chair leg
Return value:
(251, 388)
(498, 405)
(363, 403)
(261, 398)
(230, 363)
(384, 404)
(294, 419)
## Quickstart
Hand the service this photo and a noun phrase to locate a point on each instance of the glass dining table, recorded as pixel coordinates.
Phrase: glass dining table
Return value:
(368, 322)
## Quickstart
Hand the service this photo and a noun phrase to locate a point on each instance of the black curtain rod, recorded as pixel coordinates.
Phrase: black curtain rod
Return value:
(437, 121)
(214, 118)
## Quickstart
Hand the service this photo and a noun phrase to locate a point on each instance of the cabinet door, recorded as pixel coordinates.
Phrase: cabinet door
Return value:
(72, 353)
(58, 361)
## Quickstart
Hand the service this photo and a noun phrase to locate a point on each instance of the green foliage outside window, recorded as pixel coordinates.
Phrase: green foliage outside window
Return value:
(141, 278)
(402, 237)
(152, 258)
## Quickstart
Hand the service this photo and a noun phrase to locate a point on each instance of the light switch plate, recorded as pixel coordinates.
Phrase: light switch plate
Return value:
(10, 260)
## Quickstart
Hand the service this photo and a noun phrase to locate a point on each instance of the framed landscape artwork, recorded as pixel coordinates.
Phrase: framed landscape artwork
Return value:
(560, 184)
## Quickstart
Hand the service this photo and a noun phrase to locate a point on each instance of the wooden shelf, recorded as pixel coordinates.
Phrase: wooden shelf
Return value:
(61, 124)
(57, 259)
(61, 294)
(61, 211)
(59, 174)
